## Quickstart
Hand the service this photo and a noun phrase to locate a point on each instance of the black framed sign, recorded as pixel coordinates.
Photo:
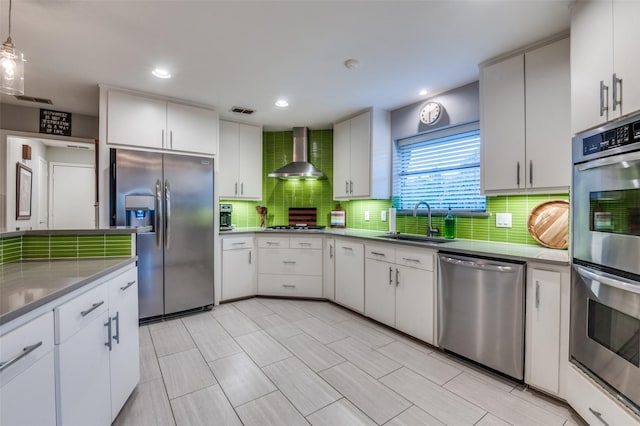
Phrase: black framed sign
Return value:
(55, 122)
(24, 178)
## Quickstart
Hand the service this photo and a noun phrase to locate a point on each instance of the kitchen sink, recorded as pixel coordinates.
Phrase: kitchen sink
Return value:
(416, 238)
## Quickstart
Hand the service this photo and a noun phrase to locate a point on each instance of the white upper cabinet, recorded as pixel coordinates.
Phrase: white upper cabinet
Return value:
(150, 122)
(192, 129)
(525, 110)
(240, 161)
(362, 156)
(605, 83)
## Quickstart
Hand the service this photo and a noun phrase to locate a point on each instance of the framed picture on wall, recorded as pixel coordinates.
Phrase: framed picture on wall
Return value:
(24, 178)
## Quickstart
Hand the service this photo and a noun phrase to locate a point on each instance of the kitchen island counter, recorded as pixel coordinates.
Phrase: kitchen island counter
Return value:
(27, 285)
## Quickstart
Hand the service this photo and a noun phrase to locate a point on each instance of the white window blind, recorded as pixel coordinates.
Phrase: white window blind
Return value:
(441, 169)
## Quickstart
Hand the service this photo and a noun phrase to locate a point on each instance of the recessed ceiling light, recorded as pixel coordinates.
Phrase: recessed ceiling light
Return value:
(161, 73)
(282, 103)
(351, 63)
(423, 92)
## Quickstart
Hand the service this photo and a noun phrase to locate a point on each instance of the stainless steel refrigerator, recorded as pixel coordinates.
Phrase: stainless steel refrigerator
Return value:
(174, 195)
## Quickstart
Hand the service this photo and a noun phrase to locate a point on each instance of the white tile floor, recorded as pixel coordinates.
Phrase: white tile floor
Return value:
(288, 362)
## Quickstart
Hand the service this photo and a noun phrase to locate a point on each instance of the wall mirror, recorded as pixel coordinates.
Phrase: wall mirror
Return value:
(63, 183)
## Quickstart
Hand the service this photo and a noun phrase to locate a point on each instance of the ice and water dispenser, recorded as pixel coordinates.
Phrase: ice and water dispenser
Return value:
(140, 210)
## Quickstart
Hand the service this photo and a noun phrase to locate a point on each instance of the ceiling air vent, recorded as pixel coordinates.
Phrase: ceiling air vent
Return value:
(33, 99)
(242, 110)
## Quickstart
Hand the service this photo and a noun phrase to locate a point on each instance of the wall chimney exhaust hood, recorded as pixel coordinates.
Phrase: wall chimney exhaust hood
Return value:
(299, 168)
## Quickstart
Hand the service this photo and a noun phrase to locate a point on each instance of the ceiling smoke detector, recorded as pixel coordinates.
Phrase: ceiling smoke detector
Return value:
(351, 63)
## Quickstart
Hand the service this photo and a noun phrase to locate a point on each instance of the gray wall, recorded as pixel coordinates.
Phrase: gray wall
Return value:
(460, 105)
(27, 119)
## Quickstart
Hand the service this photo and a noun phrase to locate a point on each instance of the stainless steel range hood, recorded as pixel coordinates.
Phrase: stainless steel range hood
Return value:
(299, 168)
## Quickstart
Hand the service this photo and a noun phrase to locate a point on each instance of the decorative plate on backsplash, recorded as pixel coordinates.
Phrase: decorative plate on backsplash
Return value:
(549, 224)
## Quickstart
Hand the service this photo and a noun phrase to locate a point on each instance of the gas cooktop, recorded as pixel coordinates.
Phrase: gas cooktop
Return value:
(298, 227)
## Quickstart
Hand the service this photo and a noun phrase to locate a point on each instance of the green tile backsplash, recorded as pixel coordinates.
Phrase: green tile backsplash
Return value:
(279, 195)
(64, 246)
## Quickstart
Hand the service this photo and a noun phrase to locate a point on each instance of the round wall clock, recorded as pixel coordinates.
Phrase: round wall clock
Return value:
(431, 113)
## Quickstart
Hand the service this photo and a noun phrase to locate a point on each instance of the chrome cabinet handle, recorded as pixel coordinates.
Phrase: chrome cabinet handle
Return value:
(17, 357)
(615, 83)
(116, 336)
(167, 199)
(531, 172)
(171, 139)
(158, 221)
(377, 253)
(397, 275)
(603, 88)
(288, 286)
(92, 308)
(304, 244)
(351, 187)
(408, 259)
(249, 257)
(129, 284)
(598, 415)
(273, 243)
(289, 262)
(241, 188)
(390, 275)
(518, 173)
(163, 138)
(108, 325)
(331, 252)
(346, 190)
(347, 248)
(537, 294)
(236, 190)
(238, 244)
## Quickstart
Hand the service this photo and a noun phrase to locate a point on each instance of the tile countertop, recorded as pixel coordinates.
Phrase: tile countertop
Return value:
(28, 284)
(95, 231)
(511, 251)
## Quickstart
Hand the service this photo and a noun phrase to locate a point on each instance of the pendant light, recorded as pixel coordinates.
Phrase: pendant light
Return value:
(11, 66)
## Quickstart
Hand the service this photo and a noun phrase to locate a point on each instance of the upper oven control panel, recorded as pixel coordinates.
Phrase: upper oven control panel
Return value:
(620, 137)
(614, 138)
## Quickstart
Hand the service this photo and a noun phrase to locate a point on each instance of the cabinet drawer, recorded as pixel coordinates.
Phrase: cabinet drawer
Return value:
(277, 243)
(76, 313)
(290, 262)
(122, 285)
(289, 285)
(22, 347)
(237, 243)
(305, 243)
(415, 259)
(384, 253)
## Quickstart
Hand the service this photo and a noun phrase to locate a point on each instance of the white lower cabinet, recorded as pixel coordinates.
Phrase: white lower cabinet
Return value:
(97, 358)
(290, 267)
(547, 328)
(238, 268)
(399, 289)
(27, 374)
(123, 310)
(349, 274)
(328, 275)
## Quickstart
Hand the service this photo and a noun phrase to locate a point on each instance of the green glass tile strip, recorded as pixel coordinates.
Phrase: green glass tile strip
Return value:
(36, 247)
(10, 249)
(117, 245)
(63, 246)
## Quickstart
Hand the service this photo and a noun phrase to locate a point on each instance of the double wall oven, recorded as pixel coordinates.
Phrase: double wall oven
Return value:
(605, 292)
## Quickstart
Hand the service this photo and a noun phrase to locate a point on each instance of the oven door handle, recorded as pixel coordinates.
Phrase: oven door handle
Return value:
(601, 162)
(604, 278)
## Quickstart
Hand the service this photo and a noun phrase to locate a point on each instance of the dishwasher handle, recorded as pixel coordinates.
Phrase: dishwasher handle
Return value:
(477, 265)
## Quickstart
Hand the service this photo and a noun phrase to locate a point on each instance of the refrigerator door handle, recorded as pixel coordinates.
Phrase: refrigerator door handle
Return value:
(167, 227)
(158, 207)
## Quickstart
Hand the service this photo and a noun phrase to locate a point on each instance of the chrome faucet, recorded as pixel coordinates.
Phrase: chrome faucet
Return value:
(430, 230)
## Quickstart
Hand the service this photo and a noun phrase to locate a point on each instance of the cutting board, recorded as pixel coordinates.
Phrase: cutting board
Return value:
(549, 224)
(302, 215)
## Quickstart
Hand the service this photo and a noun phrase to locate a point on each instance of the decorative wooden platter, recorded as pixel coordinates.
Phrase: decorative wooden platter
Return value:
(549, 224)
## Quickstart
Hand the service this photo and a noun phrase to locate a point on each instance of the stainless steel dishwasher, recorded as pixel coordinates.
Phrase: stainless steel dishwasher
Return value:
(481, 311)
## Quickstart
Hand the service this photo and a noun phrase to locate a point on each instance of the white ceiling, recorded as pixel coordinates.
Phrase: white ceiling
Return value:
(249, 53)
